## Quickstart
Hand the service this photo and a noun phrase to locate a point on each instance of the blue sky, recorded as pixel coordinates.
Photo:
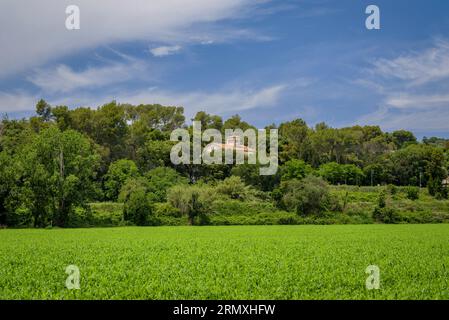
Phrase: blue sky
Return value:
(269, 61)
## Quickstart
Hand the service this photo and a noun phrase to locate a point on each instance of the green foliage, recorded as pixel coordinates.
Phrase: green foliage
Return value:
(416, 163)
(106, 214)
(209, 121)
(403, 138)
(341, 173)
(308, 196)
(294, 139)
(392, 190)
(54, 173)
(43, 109)
(192, 201)
(412, 193)
(53, 164)
(160, 180)
(383, 212)
(153, 154)
(137, 207)
(295, 169)
(166, 209)
(233, 187)
(385, 215)
(119, 172)
(250, 174)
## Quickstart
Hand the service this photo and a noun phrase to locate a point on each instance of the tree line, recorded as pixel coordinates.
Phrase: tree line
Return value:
(61, 159)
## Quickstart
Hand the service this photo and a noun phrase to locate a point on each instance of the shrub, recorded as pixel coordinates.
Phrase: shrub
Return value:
(137, 207)
(106, 214)
(192, 201)
(308, 196)
(412, 193)
(295, 169)
(436, 188)
(160, 180)
(392, 189)
(337, 173)
(250, 174)
(118, 173)
(233, 187)
(382, 199)
(167, 210)
(79, 218)
(287, 221)
(385, 215)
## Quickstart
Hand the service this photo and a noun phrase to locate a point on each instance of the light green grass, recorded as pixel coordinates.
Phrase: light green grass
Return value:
(248, 262)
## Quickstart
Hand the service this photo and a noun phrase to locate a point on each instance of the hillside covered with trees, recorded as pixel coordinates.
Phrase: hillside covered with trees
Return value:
(72, 167)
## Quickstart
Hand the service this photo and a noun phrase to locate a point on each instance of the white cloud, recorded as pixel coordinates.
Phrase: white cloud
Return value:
(215, 102)
(414, 89)
(425, 120)
(17, 102)
(164, 51)
(419, 67)
(408, 101)
(63, 79)
(33, 32)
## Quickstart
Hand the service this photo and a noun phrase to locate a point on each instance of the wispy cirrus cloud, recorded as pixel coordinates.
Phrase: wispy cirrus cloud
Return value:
(230, 100)
(17, 101)
(165, 50)
(63, 79)
(34, 32)
(415, 90)
(221, 101)
(410, 101)
(417, 68)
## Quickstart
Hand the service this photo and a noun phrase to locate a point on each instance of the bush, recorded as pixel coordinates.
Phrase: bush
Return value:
(436, 189)
(337, 173)
(118, 173)
(167, 210)
(385, 215)
(233, 187)
(295, 169)
(250, 175)
(79, 218)
(137, 207)
(412, 193)
(106, 214)
(382, 199)
(287, 221)
(160, 180)
(192, 201)
(392, 189)
(308, 196)
(231, 207)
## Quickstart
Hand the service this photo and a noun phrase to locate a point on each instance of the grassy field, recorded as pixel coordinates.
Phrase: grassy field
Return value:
(247, 262)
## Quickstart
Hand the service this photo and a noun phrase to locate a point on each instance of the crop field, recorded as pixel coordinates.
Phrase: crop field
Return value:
(246, 262)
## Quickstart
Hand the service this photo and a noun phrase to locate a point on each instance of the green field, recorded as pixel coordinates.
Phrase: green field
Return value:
(247, 262)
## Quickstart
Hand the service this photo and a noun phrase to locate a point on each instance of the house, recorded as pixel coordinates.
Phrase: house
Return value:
(445, 182)
(232, 143)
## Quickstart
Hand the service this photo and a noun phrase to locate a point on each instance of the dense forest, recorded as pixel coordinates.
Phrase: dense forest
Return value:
(55, 164)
